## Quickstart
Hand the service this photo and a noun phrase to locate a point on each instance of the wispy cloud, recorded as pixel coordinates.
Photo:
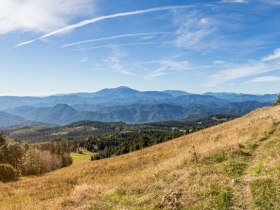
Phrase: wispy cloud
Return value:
(166, 67)
(40, 16)
(235, 1)
(119, 45)
(238, 72)
(274, 56)
(252, 68)
(98, 19)
(273, 2)
(265, 79)
(115, 37)
(194, 28)
(218, 62)
(114, 61)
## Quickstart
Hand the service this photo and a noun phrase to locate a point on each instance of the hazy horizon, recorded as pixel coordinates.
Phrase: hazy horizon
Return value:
(143, 90)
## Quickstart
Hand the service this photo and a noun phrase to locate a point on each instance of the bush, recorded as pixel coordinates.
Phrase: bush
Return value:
(7, 172)
(66, 160)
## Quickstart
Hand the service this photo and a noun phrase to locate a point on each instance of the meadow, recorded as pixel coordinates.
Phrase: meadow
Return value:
(234, 165)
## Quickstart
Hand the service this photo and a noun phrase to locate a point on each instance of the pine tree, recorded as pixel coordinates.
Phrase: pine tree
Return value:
(2, 139)
(277, 102)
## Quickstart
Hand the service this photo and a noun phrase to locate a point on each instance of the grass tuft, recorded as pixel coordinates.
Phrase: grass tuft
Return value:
(265, 194)
(222, 199)
(235, 168)
(215, 158)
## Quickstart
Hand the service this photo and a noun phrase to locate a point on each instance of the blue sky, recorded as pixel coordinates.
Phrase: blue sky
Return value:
(50, 46)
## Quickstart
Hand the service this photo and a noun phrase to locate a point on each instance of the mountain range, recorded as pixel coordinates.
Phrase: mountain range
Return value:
(126, 104)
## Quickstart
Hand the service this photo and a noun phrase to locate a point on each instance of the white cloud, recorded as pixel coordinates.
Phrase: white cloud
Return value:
(40, 15)
(168, 66)
(114, 61)
(265, 79)
(246, 70)
(235, 1)
(218, 62)
(239, 72)
(101, 18)
(274, 56)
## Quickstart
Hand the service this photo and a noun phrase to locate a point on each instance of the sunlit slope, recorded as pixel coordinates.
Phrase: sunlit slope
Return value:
(232, 165)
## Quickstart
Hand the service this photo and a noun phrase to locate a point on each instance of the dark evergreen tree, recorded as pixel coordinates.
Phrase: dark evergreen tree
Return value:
(2, 139)
(277, 102)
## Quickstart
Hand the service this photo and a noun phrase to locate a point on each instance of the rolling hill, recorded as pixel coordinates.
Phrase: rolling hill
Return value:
(81, 130)
(129, 105)
(62, 114)
(234, 165)
(235, 97)
(11, 120)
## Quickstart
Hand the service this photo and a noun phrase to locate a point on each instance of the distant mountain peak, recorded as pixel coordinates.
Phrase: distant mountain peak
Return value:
(122, 90)
(123, 87)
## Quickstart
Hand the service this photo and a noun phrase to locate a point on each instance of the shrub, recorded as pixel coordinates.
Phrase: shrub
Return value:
(171, 200)
(7, 172)
(66, 160)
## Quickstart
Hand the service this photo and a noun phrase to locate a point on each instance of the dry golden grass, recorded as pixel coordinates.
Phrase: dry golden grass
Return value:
(144, 179)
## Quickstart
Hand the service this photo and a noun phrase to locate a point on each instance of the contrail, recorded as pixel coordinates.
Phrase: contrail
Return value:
(128, 44)
(98, 19)
(115, 37)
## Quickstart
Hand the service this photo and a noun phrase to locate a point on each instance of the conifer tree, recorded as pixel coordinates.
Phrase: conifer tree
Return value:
(277, 102)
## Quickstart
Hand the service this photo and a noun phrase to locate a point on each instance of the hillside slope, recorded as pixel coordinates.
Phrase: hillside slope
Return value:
(235, 165)
(62, 114)
(9, 119)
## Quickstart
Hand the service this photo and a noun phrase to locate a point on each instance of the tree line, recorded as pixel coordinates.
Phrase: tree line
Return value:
(119, 143)
(22, 159)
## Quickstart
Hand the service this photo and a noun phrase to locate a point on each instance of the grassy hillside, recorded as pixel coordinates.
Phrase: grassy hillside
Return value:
(235, 165)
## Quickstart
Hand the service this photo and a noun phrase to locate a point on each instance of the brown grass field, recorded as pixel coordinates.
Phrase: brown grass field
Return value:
(235, 165)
